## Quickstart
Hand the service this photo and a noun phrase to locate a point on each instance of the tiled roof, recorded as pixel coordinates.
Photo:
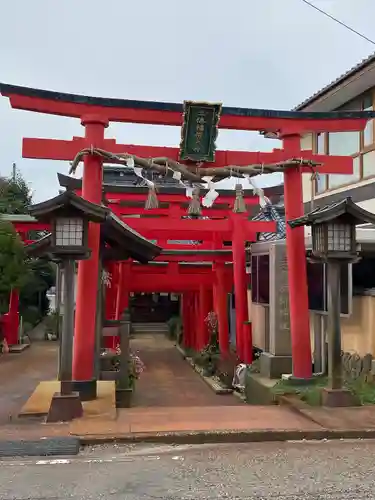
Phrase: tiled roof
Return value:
(352, 71)
(270, 213)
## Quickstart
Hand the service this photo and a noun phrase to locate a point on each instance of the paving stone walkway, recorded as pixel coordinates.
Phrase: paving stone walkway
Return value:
(169, 381)
(20, 373)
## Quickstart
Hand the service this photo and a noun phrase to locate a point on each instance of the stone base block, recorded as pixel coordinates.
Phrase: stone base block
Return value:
(259, 390)
(339, 398)
(65, 407)
(109, 375)
(124, 398)
(86, 388)
(273, 367)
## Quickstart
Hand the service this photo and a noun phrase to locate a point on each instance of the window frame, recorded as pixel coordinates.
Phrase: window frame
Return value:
(360, 154)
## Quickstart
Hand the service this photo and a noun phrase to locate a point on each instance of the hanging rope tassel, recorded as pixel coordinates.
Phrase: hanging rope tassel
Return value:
(195, 204)
(239, 202)
(152, 200)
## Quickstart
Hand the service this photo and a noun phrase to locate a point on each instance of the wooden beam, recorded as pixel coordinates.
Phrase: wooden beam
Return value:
(54, 149)
(159, 113)
(163, 283)
(194, 228)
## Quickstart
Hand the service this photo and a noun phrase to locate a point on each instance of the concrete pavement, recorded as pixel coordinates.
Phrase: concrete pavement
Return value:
(20, 373)
(168, 380)
(173, 404)
(284, 471)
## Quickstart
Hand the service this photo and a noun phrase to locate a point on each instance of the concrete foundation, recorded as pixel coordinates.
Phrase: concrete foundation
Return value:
(258, 390)
(273, 367)
(339, 398)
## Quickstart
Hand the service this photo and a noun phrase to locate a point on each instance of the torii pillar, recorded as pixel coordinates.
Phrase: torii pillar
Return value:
(243, 330)
(87, 282)
(204, 308)
(221, 307)
(296, 251)
(296, 258)
(122, 299)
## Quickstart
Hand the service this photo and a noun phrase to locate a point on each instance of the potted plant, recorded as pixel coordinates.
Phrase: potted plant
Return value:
(210, 355)
(125, 384)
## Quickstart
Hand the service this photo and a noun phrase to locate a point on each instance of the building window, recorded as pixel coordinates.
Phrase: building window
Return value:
(360, 145)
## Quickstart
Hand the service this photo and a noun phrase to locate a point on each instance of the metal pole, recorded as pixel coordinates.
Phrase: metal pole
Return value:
(334, 329)
(66, 343)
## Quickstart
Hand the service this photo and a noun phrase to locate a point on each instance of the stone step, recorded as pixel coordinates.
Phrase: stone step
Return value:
(149, 328)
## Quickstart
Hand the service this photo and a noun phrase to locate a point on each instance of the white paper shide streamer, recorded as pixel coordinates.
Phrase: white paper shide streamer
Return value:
(211, 194)
(189, 191)
(138, 172)
(263, 200)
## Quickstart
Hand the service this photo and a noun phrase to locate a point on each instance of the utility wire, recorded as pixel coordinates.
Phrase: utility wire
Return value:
(338, 21)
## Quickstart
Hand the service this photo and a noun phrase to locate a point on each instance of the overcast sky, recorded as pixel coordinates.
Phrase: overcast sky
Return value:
(248, 53)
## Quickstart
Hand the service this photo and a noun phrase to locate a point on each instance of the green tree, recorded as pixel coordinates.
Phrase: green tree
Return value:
(13, 266)
(34, 303)
(38, 274)
(15, 196)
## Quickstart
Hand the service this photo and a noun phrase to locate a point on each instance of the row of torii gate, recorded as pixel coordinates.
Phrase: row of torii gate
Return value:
(200, 286)
(204, 273)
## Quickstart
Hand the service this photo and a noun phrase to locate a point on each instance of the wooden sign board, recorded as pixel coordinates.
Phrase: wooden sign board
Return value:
(199, 131)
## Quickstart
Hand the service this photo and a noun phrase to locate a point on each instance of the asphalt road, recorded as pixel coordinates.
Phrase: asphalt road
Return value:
(340, 470)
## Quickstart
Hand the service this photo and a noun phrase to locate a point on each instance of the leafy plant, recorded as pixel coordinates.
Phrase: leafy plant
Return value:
(31, 316)
(135, 366)
(15, 195)
(33, 277)
(209, 357)
(53, 324)
(26, 327)
(13, 267)
(174, 327)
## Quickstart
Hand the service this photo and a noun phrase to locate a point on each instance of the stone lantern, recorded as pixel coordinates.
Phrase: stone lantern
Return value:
(334, 242)
(68, 216)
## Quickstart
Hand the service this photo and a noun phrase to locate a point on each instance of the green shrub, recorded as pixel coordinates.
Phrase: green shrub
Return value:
(32, 316)
(53, 323)
(174, 327)
(26, 327)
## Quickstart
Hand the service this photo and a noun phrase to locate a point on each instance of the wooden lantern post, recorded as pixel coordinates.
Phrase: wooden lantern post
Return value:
(68, 216)
(334, 243)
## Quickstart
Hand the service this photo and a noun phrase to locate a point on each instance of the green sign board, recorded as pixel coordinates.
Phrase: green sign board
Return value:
(199, 131)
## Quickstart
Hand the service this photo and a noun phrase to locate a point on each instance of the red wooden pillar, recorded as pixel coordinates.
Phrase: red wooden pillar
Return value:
(186, 319)
(296, 256)
(122, 299)
(87, 281)
(221, 308)
(194, 320)
(205, 306)
(190, 322)
(13, 318)
(110, 294)
(243, 334)
(115, 289)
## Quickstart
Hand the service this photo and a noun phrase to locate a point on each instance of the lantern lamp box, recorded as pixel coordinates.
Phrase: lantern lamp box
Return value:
(199, 131)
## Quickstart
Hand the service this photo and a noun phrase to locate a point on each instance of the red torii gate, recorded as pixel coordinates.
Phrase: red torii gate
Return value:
(202, 288)
(156, 280)
(95, 115)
